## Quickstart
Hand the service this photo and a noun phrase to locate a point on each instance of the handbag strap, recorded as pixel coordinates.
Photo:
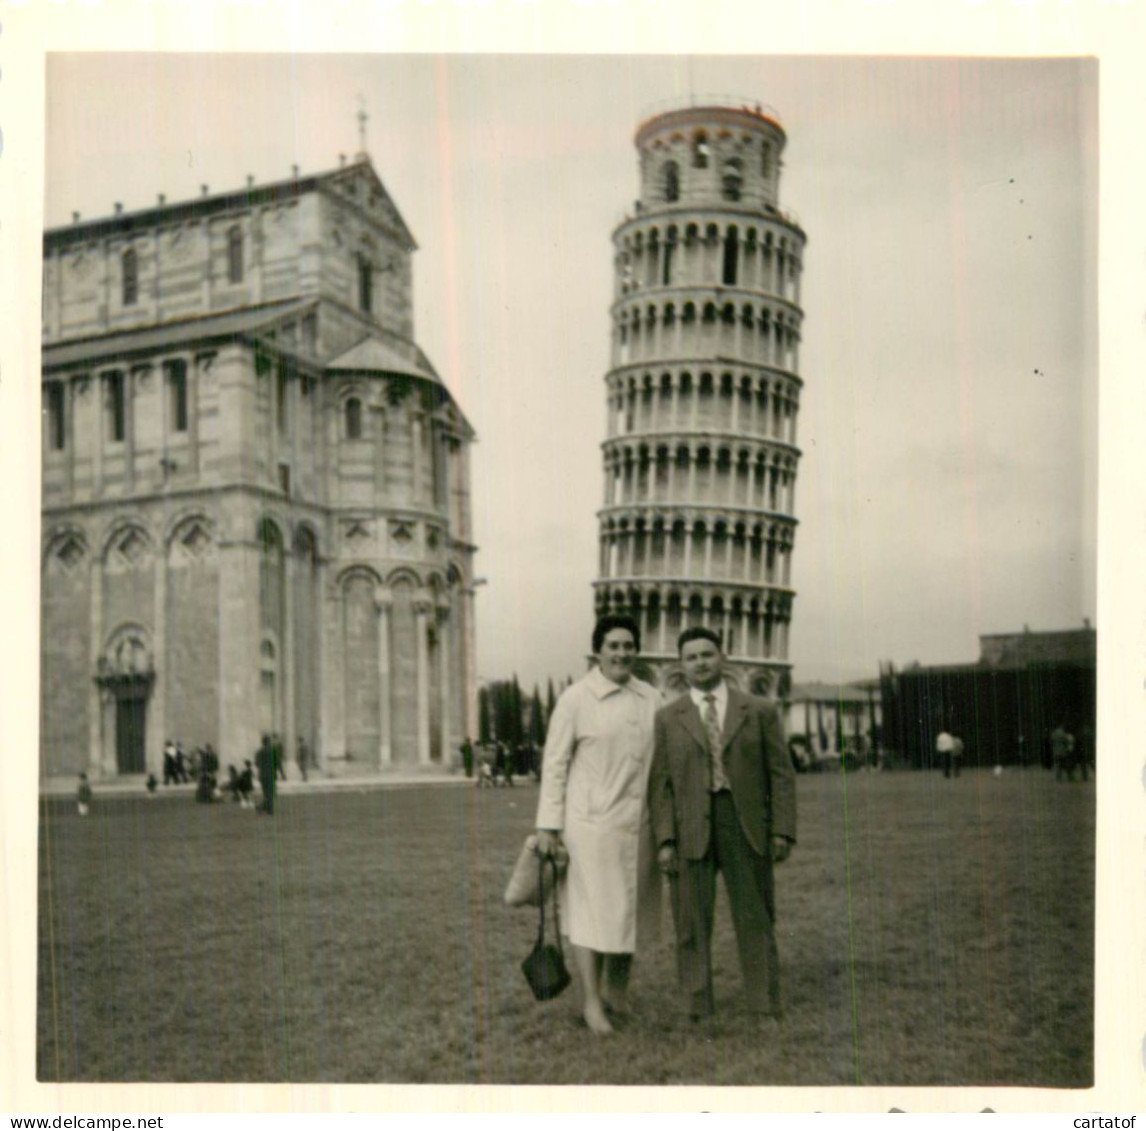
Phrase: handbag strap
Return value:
(541, 890)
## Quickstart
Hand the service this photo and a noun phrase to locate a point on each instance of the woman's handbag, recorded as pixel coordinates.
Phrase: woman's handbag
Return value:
(523, 889)
(544, 969)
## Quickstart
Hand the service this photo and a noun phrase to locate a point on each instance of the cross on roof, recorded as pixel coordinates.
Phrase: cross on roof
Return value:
(362, 117)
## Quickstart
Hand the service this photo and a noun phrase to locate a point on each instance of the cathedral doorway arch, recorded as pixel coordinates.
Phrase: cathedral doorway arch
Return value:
(125, 675)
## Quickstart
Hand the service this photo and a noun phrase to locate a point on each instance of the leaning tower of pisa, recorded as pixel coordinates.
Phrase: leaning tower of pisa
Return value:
(698, 521)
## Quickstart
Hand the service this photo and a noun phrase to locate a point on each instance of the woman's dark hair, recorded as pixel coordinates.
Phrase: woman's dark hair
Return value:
(697, 632)
(615, 620)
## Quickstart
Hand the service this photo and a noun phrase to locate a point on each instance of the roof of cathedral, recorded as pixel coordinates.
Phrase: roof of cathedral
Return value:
(370, 354)
(233, 323)
(378, 204)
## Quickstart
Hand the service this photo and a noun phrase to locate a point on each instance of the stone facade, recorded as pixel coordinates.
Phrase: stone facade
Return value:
(256, 501)
(698, 522)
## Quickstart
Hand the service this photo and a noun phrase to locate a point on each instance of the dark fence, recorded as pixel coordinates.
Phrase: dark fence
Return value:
(1003, 716)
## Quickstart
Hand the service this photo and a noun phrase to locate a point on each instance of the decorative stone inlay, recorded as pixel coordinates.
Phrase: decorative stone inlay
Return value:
(196, 541)
(71, 553)
(132, 547)
(356, 529)
(401, 530)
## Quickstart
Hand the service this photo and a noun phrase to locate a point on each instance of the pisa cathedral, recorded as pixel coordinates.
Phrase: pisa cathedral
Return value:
(698, 521)
(256, 499)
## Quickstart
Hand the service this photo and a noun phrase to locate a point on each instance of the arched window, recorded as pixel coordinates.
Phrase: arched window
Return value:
(55, 396)
(115, 408)
(130, 265)
(700, 151)
(731, 257)
(671, 181)
(365, 285)
(353, 419)
(177, 394)
(234, 255)
(732, 177)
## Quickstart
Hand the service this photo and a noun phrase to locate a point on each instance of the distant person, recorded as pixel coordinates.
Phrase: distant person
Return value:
(204, 789)
(266, 763)
(211, 761)
(956, 755)
(592, 800)
(180, 763)
(1084, 749)
(277, 747)
(246, 785)
(83, 796)
(152, 785)
(944, 746)
(170, 776)
(722, 795)
(303, 757)
(1062, 753)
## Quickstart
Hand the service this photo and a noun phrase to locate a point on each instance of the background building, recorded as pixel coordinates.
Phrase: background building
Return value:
(1004, 707)
(700, 457)
(256, 502)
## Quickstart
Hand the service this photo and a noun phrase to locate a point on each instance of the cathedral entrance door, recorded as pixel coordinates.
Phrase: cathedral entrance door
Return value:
(130, 728)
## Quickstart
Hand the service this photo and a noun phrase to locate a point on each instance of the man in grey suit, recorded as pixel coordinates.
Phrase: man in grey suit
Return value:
(722, 796)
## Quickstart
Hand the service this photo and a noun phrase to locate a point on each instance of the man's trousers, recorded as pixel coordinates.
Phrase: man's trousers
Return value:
(748, 881)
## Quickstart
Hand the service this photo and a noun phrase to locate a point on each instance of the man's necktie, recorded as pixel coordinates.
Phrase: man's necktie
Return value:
(712, 727)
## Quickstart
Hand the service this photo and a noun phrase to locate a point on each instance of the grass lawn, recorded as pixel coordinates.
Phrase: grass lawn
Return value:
(931, 932)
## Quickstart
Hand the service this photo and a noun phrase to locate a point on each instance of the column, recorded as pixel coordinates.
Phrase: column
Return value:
(444, 635)
(728, 555)
(733, 462)
(691, 475)
(95, 692)
(469, 688)
(707, 552)
(742, 629)
(132, 376)
(156, 725)
(688, 547)
(383, 602)
(735, 425)
(287, 667)
(319, 753)
(662, 627)
(416, 448)
(238, 646)
(422, 608)
(70, 436)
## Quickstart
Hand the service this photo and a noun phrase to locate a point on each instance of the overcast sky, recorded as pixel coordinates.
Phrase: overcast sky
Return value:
(948, 424)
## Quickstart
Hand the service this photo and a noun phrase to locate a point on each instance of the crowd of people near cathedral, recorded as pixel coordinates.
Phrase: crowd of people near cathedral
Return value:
(201, 767)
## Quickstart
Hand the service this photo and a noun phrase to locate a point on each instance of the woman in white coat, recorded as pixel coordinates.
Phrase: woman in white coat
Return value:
(593, 782)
